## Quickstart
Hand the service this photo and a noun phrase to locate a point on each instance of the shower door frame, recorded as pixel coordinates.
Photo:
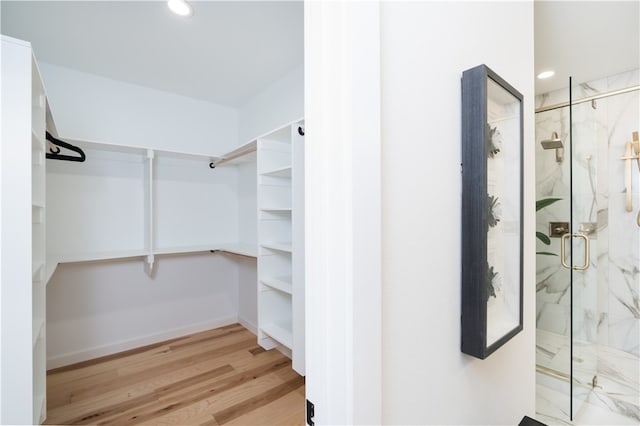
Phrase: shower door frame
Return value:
(580, 353)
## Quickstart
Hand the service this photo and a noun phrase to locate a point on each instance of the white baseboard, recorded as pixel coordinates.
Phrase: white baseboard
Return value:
(249, 326)
(112, 348)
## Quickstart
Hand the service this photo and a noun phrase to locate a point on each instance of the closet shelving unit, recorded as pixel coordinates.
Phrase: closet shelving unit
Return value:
(136, 202)
(23, 226)
(39, 114)
(280, 242)
(168, 202)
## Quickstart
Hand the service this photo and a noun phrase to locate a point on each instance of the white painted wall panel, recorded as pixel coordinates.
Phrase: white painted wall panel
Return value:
(90, 107)
(247, 293)
(425, 48)
(277, 104)
(247, 203)
(104, 307)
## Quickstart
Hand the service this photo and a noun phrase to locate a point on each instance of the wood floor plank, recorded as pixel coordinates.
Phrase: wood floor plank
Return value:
(82, 388)
(182, 412)
(212, 378)
(160, 385)
(287, 410)
(272, 394)
(216, 345)
(110, 362)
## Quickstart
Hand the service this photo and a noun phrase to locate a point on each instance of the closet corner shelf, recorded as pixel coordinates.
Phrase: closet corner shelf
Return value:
(286, 247)
(280, 333)
(282, 284)
(279, 172)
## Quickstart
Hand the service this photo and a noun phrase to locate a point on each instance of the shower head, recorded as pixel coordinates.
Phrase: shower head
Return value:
(554, 143)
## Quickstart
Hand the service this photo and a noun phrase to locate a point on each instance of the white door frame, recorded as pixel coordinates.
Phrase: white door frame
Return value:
(342, 211)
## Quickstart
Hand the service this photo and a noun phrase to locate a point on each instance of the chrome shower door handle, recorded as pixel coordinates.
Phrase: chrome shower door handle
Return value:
(587, 251)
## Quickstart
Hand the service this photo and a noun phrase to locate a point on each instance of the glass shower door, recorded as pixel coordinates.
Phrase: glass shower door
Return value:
(587, 149)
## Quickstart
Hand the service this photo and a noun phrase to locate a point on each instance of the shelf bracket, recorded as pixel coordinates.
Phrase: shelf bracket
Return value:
(150, 260)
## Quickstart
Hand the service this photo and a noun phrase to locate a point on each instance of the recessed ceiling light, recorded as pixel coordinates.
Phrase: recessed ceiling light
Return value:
(180, 7)
(546, 74)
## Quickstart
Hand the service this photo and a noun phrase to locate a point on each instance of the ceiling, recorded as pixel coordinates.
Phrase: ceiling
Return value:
(229, 50)
(226, 52)
(587, 40)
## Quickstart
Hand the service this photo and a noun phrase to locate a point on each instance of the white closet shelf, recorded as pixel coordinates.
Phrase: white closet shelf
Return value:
(279, 172)
(38, 326)
(282, 284)
(36, 272)
(105, 255)
(36, 141)
(51, 266)
(249, 250)
(236, 248)
(184, 249)
(276, 209)
(280, 332)
(286, 247)
(132, 149)
(231, 157)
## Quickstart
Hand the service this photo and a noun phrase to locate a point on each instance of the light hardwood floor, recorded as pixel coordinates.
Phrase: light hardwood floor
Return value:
(217, 377)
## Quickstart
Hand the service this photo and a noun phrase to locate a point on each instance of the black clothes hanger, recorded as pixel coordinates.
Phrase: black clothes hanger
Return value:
(55, 155)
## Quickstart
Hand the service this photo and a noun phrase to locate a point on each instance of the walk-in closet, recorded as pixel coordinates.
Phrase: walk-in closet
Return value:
(165, 213)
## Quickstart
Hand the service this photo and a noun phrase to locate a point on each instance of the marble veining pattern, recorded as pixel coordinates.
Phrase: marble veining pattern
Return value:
(606, 296)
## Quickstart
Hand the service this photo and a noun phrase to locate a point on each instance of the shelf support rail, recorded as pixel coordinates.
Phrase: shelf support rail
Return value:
(150, 257)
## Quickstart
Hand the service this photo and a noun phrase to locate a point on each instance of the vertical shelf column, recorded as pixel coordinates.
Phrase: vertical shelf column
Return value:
(281, 320)
(297, 256)
(38, 243)
(274, 165)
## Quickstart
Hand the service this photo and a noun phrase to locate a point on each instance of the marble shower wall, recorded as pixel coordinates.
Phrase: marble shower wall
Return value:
(606, 305)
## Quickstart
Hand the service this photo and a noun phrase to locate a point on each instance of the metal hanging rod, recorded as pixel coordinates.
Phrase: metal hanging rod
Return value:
(217, 163)
(588, 99)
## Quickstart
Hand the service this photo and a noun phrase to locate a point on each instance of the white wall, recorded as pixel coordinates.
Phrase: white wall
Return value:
(248, 203)
(425, 48)
(99, 308)
(90, 107)
(278, 104)
(248, 233)
(247, 293)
